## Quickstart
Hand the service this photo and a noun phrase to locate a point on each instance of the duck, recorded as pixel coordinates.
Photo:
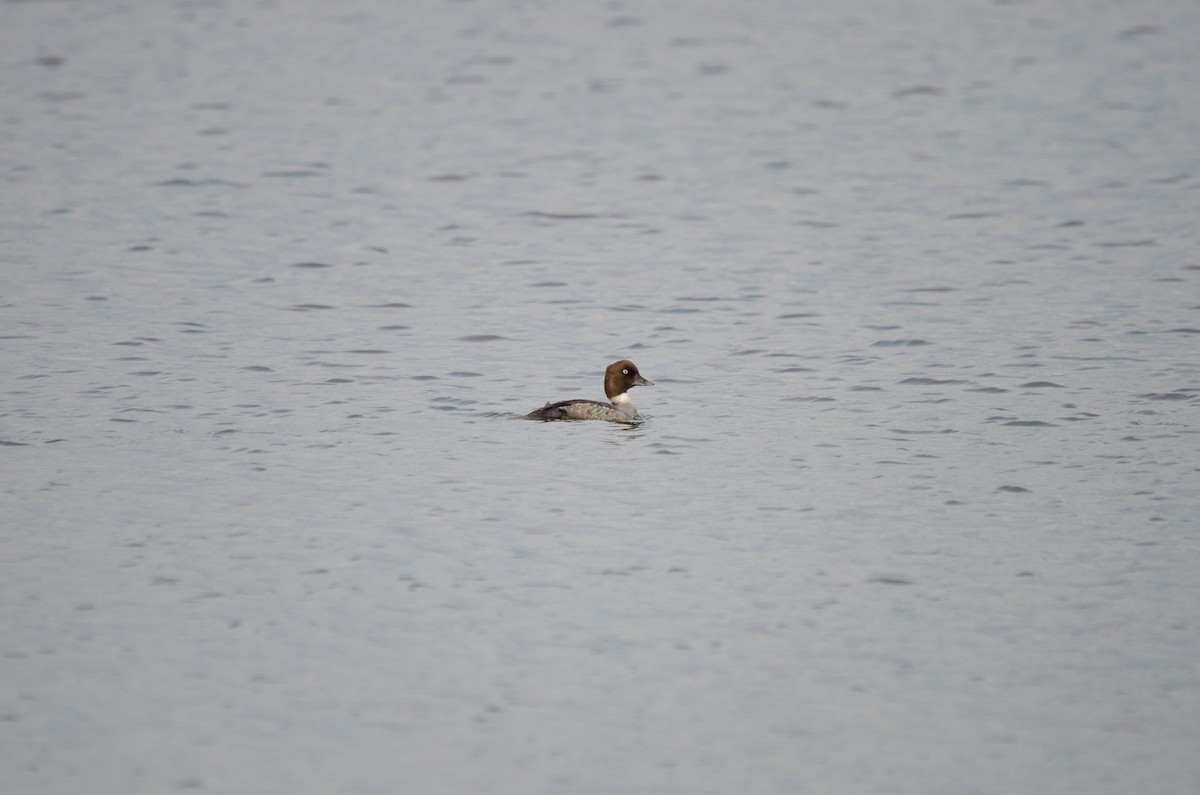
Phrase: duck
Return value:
(619, 378)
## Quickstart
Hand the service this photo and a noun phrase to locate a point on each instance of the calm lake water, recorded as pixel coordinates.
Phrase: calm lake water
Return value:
(915, 504)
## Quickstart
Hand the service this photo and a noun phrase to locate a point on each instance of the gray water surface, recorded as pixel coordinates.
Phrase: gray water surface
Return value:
(915, 503)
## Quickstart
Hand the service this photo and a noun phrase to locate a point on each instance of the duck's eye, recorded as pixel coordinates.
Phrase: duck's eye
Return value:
(625, 371)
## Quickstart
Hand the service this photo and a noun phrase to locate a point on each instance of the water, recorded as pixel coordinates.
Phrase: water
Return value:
(914, 504)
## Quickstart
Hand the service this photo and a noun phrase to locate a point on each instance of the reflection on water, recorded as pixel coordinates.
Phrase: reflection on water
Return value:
(918, 290)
